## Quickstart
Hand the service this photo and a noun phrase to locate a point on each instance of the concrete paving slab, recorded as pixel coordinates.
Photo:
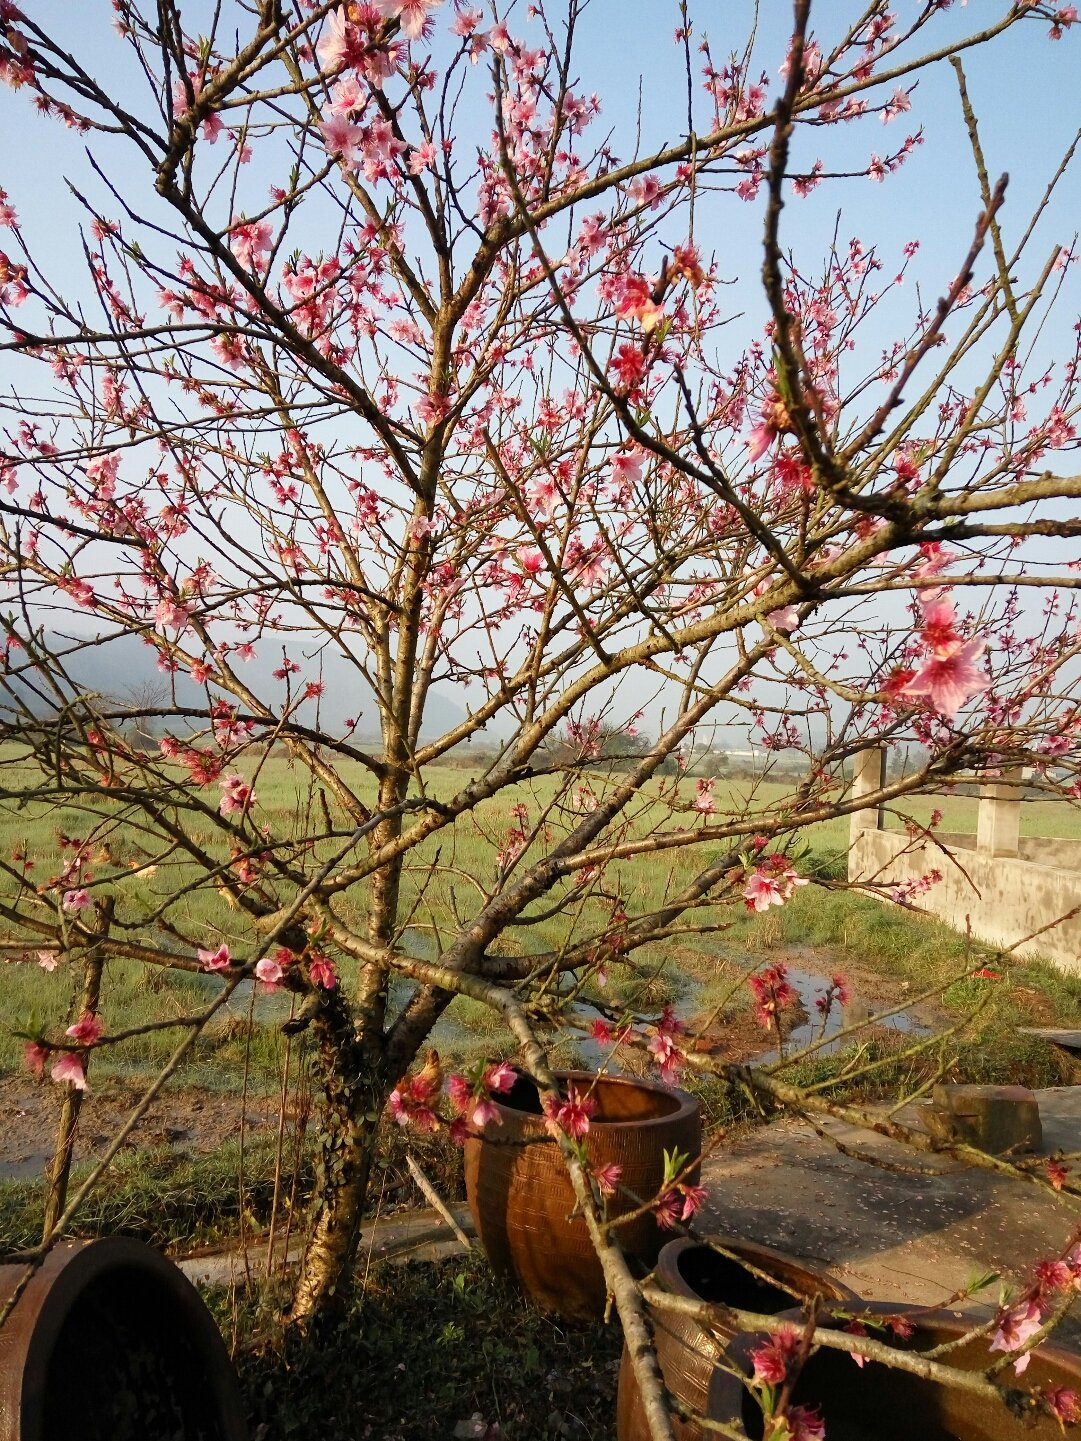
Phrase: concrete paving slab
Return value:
(913, 1228)
(420, 1235)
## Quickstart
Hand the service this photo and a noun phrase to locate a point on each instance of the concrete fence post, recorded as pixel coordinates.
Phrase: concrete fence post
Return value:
(868, 775)
(998, 824)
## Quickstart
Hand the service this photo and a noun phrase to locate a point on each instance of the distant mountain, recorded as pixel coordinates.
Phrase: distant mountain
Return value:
(125, 669)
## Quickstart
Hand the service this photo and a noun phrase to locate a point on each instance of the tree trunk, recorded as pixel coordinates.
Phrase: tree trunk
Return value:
(354, 1095)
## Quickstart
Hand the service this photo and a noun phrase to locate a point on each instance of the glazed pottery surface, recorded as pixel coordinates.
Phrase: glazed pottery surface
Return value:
(688, 1353)
(522, 1200)
(109, 1341)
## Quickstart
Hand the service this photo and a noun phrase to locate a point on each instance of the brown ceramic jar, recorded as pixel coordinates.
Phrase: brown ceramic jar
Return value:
(523, 1202)
(688, 1353)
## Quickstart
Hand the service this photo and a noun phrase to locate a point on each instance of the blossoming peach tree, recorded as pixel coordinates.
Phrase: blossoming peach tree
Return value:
(383, 367)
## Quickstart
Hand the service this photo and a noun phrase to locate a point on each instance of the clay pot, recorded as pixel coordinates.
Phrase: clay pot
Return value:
(877, 1403)
(110, 1341)
(687, 1353)
(522, 1199)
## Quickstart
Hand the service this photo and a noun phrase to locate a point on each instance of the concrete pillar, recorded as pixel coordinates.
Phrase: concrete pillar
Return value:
(998, 826)
(868, 775)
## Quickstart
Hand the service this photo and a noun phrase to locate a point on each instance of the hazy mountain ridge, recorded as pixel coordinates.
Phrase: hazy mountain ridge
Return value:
(124, 668)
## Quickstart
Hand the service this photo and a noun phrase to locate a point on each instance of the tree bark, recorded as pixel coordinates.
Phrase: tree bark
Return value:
(354, 1093)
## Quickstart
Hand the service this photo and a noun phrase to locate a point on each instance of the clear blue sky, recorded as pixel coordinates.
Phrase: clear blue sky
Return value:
(1027, 91)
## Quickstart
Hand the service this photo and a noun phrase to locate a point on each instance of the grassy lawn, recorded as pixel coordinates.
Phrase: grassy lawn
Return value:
(442, 882)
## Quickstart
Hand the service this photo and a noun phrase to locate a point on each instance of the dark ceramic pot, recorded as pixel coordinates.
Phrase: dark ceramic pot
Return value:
(874, 1402)
(522, 1199)
(687, 1352)
(110, 1342)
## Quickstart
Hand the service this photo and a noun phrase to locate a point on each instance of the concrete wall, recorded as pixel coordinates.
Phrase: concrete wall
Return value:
(1007, 888)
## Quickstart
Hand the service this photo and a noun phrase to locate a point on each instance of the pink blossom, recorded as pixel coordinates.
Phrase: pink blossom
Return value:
(1054, 1276)
(48, 960)
(897, 104)
(761, 438)
(703, 796)
(629, 364)
(422, 158)
(34, 1057)
(342, 138)
(607, 1178)
(237, 794)
(771, 884)
(668, 1209)
(666, 1053)
(805, 1424)
(694, 1198)
(939, 629)
(76, 900)
(413, 14)
(632, 296)
(500, 1077)
(460, 1092)
(171, 615)
(215, 960)
(407, 1109)
(627, 467)
(948, 683)
(773, 421)
(647, 190)
(251, 242)
(86, 1030)
(69, 1067)
(483, 1111)
(1064, 1404)
(772, 1360)
(543, 495)
(571, 1115)
(1057, 1173)
(347, 95)
(772, 992)
(333, 45)
(268, 971)
(321, 971)
(1018, 1325)
(784, 619)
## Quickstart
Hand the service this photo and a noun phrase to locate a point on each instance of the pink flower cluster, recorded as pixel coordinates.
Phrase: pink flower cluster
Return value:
(677, 1204)
(412, 1102)
(471, 1096)
(772, 992)
(663, 1047)
(950, 675)
(772, 882)
(68, 1066)
(571, 1116)
(1018, 1323)
(237, 796)
(772, 1363)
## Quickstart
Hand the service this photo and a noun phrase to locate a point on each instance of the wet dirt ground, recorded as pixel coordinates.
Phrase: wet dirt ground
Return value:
(191, 1120)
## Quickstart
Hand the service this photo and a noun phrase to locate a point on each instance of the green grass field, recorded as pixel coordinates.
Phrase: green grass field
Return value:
(444, 882)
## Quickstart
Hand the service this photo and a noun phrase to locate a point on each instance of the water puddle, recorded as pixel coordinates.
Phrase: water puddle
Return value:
(452, 1034)
(858, 1012)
